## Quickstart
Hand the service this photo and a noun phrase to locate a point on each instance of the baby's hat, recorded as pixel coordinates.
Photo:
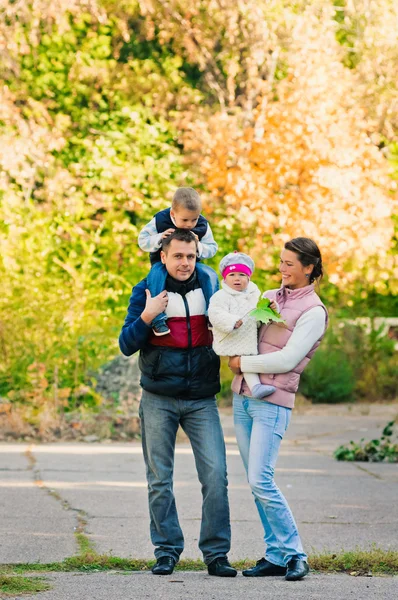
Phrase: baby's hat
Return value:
(236, 262)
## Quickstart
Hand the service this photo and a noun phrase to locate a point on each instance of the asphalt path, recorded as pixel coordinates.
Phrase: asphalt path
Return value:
(48, 490)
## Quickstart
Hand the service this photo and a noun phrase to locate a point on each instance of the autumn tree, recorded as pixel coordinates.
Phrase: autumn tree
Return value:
(296, 156)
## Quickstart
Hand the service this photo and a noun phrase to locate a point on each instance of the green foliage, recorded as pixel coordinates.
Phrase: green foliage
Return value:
(354, 361)
(328, 378)
(109, 158)
(264, 313)
(377, 450)
(91, 113)
(346, 33)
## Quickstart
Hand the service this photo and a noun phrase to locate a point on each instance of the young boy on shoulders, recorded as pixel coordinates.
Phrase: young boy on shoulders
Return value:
(184, 213)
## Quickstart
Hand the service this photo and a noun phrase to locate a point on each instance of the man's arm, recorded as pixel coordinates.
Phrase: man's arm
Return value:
(207, 247)
(135, 331)
(141, 312)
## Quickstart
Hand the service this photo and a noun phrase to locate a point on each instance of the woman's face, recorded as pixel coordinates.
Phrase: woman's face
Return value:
(293, 272)
(237, 281)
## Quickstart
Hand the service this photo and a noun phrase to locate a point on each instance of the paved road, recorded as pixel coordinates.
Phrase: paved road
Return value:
(200, 586)
(45, 488)
(48, 490)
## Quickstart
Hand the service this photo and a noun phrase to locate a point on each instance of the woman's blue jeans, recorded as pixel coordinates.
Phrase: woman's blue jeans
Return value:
(260, 427)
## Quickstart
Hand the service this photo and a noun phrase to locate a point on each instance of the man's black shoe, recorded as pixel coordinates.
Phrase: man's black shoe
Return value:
(296, 569)
(221, 568)
(264, 568)
(164, 565)
(160, 329)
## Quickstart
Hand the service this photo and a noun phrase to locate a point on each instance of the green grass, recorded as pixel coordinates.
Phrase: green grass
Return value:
(361, 562)
(15, 584)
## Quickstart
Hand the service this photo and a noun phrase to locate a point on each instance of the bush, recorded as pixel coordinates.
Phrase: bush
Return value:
(377, 450)
(328, 378)
(353, 362)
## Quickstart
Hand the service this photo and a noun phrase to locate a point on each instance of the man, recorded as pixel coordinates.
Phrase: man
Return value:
(180, 375)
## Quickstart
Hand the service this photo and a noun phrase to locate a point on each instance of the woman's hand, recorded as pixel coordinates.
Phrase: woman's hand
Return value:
(234, 364)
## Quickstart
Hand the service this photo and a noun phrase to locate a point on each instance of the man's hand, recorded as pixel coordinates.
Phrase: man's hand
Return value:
(234, 364)
(166, 233)
(154, 306)
(238, 324)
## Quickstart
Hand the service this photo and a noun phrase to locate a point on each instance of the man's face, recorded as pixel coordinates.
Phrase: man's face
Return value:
(179, 259)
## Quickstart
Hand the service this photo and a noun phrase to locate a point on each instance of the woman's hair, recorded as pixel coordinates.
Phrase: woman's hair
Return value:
(308, 253)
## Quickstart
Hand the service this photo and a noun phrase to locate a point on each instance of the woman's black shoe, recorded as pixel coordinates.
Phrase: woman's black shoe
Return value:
(264, 568)
(164, 565)
(221, 568)
(296, 569)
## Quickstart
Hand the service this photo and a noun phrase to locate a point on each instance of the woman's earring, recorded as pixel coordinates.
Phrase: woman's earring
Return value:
(307, 275)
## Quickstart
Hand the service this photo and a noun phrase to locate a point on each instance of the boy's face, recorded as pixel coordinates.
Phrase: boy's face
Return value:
(184, 219)
(237, 281)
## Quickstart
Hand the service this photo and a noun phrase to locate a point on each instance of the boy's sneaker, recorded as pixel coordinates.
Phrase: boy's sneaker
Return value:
(160, 329)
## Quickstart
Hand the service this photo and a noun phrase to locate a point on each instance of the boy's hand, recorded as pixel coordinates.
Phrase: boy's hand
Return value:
(154, 306)
(238, 324)
(168, 232)
(197, 239)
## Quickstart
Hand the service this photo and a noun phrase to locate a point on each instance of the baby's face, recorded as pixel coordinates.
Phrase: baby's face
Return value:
(237, 281)
(185, 219)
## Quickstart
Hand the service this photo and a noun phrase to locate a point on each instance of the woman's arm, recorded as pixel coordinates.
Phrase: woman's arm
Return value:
(309, 328)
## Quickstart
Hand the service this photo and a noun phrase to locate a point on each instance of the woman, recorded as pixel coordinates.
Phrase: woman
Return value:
(261, 424)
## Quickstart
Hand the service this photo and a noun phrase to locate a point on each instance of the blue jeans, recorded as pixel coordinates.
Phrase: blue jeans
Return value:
(156, 281)
(260, 427)
(160, 417)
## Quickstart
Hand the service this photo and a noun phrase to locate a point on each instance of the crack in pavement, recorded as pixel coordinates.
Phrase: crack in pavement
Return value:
(375, 475)
(81, 515)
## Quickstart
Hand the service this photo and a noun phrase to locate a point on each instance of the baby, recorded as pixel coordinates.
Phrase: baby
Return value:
(235, 331)
(184, 213)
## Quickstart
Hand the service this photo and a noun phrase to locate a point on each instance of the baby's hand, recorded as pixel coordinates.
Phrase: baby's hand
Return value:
(168, 232)
(273, 305)
(238, 324)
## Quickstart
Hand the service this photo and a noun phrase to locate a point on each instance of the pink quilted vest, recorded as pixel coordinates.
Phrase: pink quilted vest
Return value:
(273, 337)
